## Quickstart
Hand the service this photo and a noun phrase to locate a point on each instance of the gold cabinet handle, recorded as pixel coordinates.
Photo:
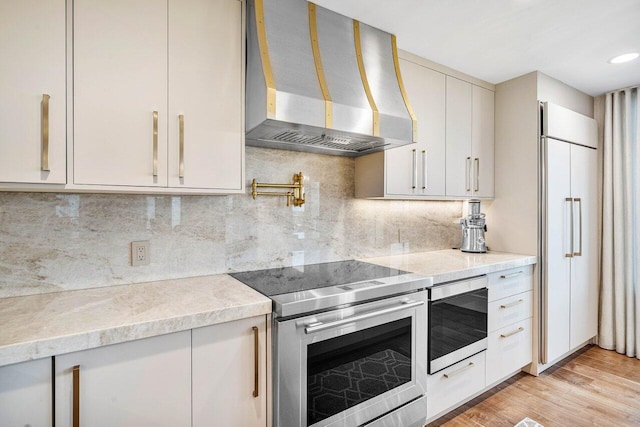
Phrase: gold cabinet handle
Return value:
(579, 201)
(44, 160)
(570, 254)
(477, 166)
(76, 396)
(468, 173)
(459, 371)
(155, 143)
(511, 304)
(510, 334)
(414, 176)
(509, 276)
(181, 165)
(424, 169)
(256, 367)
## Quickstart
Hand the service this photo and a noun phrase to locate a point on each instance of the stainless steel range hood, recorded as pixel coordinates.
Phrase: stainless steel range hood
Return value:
(321, 82)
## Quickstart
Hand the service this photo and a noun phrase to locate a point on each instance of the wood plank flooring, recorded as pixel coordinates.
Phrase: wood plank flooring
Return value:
(593, 387)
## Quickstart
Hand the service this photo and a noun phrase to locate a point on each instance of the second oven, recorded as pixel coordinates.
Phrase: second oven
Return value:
(457, 326)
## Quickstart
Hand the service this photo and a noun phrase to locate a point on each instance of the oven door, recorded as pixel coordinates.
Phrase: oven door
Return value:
(348, 366)
(457, 322)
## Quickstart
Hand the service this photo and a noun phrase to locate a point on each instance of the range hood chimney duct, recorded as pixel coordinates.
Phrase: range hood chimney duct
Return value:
(318, 81)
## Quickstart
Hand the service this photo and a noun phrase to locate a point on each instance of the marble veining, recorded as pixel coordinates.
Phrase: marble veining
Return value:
(43, 325)
(58, 242)
(448, 265)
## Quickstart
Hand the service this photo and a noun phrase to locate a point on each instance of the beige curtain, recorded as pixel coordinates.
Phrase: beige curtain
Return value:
(620, 292)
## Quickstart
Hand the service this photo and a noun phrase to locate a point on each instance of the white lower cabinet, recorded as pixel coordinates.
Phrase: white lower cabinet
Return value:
(510, 349)
(454, 384)
(229, 374)
(26, 394)
(509, 310)
(139, 383)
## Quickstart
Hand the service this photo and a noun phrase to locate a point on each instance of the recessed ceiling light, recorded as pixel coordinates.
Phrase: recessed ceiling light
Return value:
(624, 58)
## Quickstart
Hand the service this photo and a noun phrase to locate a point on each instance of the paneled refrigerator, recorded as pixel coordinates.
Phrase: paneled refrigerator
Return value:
(568, 231)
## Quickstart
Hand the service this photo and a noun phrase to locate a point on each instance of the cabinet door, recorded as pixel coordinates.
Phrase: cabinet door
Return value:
(458, 130)
(556, 299)
(482, 142)
(33, 46)
(423, 167)
(139, 383)
(120, 79)
(224, 369)
(205, 86)
(25, 394)
(584, 264)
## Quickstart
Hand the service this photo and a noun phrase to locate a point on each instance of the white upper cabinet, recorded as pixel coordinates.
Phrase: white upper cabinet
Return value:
(120, 92)
(458, 157)
(205, 88)
(417, 169)
(482, 142)
(33, 91)
(470, 140)
(158, 96)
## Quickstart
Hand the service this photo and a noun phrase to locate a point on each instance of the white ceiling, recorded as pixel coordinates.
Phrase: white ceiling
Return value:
(496, 40)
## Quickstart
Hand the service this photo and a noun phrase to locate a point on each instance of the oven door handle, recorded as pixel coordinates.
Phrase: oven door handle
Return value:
(319, 326)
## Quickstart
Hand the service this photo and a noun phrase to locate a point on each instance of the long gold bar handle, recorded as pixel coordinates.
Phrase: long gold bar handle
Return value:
(256, 367)
(424, 169)
(477, 167)
(181, 165)
(512, 275)
(570, 254)
(510, 334)
(155, 143)
(459, 371)
(44, 160)
(579, 201)
(76, 396)
(468, 173)
(511, 304)
(414, 169)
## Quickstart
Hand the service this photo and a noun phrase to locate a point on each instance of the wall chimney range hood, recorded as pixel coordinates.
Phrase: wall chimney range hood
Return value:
(318, 81)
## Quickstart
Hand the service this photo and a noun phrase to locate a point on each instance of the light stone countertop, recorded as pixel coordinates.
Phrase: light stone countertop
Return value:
(44, 325)
(451, 264)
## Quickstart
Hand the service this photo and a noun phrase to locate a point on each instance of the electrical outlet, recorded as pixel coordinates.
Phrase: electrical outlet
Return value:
(140, 253)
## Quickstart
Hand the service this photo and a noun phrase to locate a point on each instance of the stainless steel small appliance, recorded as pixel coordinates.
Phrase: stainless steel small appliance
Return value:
(473, 228)
(349, 344)
(457, 321)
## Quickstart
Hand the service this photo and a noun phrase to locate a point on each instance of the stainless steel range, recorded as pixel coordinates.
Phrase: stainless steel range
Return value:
(350, 344)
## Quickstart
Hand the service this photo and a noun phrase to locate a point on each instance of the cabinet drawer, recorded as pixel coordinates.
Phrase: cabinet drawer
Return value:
(510, 349)
(505, 283)
(455, 383)
(506, 311)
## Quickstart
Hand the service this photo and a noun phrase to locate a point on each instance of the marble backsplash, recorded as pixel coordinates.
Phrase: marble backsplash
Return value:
(54, 242)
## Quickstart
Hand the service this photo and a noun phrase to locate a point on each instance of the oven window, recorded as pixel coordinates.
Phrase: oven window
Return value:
(456, 322)
(350, 369)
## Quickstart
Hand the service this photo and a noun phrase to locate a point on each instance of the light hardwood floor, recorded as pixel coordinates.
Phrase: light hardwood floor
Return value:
(594, 387)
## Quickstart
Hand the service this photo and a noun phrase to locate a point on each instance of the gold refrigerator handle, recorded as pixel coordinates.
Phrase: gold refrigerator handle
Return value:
(468, 173)
(155, 143)
(424, 169)
(76, 396)
(579, 201)
(44, 160)
(256, 367)
(181, 141)
(570, 254)
(477, 167)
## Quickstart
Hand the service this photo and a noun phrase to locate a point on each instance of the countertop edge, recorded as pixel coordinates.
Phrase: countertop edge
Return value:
(54, 346)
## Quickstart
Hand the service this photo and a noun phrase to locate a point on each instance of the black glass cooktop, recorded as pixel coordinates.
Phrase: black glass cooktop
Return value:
(278, 281)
